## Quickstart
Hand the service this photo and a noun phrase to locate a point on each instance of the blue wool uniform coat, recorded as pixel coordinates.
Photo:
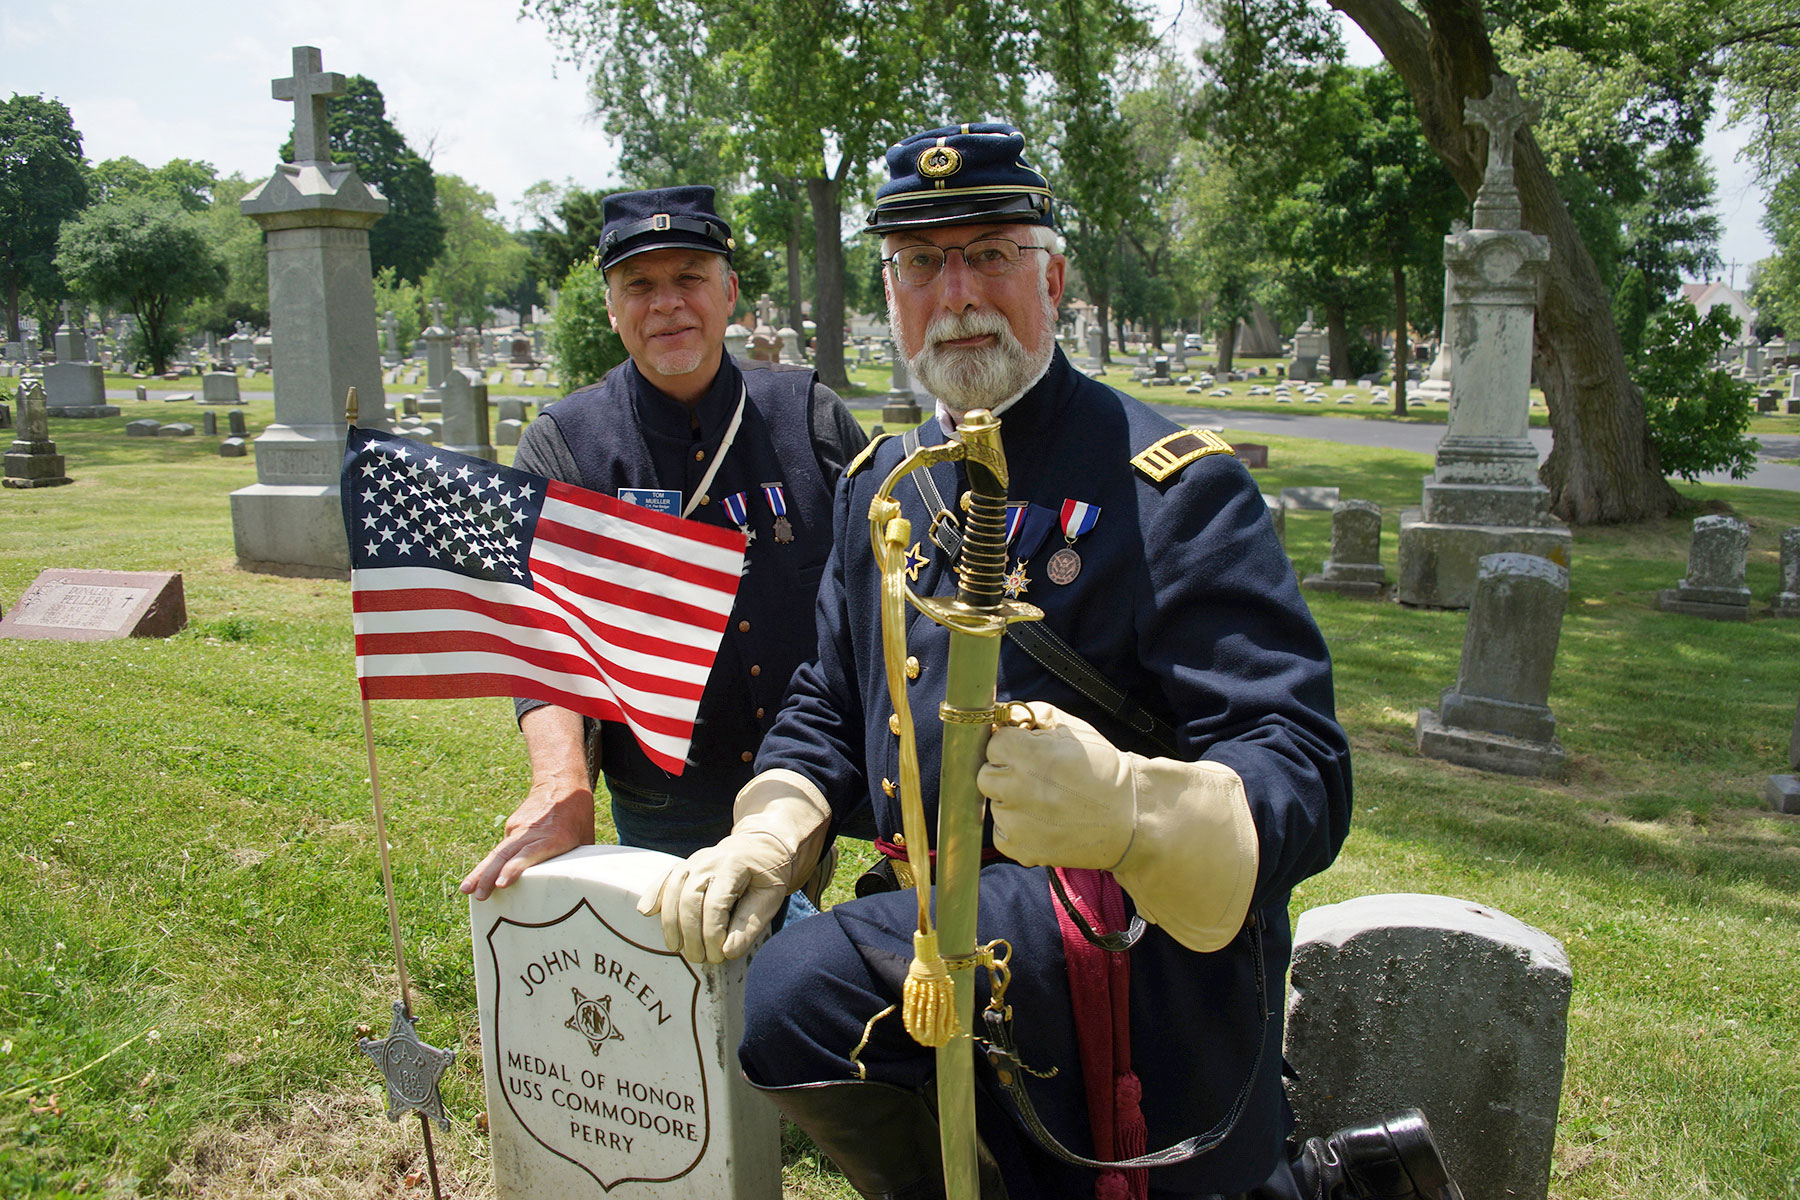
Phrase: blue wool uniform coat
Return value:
(624, 433)
(1186, 600)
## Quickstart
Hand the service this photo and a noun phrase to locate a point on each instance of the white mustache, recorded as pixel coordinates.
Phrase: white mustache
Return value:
(956, 326)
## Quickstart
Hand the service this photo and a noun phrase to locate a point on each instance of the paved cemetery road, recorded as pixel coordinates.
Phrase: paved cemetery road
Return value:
(1399, 435)
(1423, 438)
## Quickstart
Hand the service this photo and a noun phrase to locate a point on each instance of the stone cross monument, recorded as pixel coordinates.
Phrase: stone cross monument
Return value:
(316, 214)
(1484, 497)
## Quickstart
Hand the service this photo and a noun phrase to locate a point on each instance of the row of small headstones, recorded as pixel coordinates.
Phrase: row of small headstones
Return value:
(415, 375)
(236, 445)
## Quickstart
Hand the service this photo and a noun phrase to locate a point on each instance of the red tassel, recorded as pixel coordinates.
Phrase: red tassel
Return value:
(1112, 1186)
(1131, 1136)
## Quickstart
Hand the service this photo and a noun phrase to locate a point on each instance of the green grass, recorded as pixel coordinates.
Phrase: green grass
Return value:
(195, 925)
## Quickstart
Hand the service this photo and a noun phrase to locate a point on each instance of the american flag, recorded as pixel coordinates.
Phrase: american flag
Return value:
(473, 579)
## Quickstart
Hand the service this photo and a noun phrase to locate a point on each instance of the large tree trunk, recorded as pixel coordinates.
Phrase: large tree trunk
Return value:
(1337, 339)
(796, 313)
(1227, 346)
(828, 280)
(1602, 467)
(1102, 306)
(1402, 344)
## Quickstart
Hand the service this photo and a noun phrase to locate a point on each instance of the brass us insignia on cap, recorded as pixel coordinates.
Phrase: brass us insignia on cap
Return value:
(1164, 458)
(935, 162)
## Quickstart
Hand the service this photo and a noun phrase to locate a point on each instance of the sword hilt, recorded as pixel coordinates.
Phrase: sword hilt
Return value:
(981, 571)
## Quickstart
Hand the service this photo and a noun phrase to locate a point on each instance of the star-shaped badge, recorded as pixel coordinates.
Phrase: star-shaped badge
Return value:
(1016, 582)
(915, 562)
(411, 1068)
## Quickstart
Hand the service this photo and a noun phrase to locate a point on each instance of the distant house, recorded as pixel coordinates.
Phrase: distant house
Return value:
(1707, 296)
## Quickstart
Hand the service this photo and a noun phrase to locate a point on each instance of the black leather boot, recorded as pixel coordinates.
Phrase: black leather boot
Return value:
(883, 1138)
(1393, 1159)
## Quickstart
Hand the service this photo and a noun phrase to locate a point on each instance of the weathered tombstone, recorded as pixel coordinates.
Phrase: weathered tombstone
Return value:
(176, 429)
(1309, 499)
(506, 432)
(1714, 585)
(1496, 717)
(220, 387)
(1354, 568)
(1254, 455)
(1484, 497)
(233, 447)
(209, 424)
(143, 393)
(901, 408)
(608, 1058)
(234, 422)
(32, 461)
(465, 415)
(1277, 517)
(511, 408)
(94, 606)
(1096, 350)
(143, 428)
(75, 388)
(737, 341)
(390, 337)
(1446, 1005)
(791, 350)
(316, 216)
(1787, 601)
(439, 351)
(178, 397)
(541, 377)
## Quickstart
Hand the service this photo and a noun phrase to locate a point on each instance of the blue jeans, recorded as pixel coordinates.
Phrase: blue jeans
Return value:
(680, 826)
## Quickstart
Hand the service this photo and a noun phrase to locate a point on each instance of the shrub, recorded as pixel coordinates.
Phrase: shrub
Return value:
(585, 345)
(1697, 412)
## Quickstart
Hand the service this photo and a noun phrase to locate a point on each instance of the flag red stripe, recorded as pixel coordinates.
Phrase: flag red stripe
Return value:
(693, 531)
(415, 599)
(624, 597)
(454, 641)
(578, 538)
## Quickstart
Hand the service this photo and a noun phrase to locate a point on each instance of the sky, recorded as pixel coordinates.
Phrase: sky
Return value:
(482, 93)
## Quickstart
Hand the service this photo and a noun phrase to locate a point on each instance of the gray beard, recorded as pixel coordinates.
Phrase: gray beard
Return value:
(986, 377)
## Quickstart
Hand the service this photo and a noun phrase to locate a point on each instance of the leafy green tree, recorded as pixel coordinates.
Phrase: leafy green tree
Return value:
(146, 256)
(1631, 313)
(410, 236)
(1776, 290)
(186, 181)
(481, 260)
(581, 336)
(406, 300)
(42, 184)
(239, 241)
(1697, 412)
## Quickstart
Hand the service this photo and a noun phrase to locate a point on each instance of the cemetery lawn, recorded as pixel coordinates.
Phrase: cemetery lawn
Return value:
(195, 926)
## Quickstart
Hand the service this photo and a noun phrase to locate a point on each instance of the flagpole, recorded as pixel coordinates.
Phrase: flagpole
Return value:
(387, 875)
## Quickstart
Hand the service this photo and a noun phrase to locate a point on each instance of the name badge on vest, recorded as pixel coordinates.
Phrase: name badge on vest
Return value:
(662, 500)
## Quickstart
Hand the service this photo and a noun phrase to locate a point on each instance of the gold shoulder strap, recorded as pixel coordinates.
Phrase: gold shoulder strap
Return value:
(868, 453)
(1163, 459)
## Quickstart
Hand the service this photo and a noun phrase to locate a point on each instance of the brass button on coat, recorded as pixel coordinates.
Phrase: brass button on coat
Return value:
(887, 785)
(743, 627)
(912, 667)
(756, 670)
(747, 755)
(894, 724)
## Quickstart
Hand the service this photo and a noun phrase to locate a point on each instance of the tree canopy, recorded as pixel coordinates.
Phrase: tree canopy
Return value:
(410, 237)
(481, 260)
(42, 183)
(145, 255)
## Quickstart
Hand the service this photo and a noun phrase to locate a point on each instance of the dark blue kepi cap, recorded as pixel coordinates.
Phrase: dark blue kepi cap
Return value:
(659, 219)
(960, 175)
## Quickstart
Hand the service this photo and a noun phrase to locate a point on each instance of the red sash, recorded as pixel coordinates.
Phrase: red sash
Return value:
(1100, 995)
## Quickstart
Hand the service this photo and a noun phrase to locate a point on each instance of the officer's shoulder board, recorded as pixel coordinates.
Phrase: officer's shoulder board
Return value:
(1165, 458)
(866, 456)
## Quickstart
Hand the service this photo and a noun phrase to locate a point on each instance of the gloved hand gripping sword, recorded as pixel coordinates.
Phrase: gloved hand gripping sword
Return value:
(939, 995)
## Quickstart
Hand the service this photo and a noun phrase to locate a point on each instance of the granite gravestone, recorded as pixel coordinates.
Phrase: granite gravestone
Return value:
(1402, 1001)
(1354, 568)
(1484, 496)
(1497, 715)
(465, 414)
(95, 606)
(1787, 601)
(32, 460)
(1714, 584)
(611, 1062)
(316, 216)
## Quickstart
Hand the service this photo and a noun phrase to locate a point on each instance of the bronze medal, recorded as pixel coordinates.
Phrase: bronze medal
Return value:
(784, 530)
(1063, 566)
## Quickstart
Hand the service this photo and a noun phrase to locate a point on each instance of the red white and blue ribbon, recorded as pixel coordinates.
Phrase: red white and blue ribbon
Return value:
(777, 499)
(1015, 517)
(1078, 517)
(736, 509)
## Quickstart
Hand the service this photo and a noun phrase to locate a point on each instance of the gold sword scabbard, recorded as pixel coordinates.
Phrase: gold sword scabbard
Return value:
(940, 994)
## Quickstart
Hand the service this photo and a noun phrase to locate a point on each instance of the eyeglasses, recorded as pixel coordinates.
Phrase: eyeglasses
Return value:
(919, 265)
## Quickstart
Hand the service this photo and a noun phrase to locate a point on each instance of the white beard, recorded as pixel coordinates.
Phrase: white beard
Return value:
(979, 377)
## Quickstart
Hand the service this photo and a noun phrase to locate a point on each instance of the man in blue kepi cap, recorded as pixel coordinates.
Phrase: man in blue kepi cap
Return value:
(685, 429)
(1184, 766)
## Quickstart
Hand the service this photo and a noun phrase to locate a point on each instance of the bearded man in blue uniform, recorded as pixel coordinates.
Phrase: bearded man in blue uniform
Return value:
(685, 429)
(1183, 767)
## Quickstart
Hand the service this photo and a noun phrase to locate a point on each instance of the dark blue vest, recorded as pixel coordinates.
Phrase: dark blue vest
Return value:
(626, 434)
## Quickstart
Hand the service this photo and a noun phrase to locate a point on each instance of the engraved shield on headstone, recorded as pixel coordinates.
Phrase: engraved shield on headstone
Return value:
(598, 1048)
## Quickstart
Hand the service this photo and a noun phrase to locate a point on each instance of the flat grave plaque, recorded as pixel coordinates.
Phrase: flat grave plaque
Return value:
(93, 606)
(610, 1063)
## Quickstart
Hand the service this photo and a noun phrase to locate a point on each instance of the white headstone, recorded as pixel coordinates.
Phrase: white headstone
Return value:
(611, 1062)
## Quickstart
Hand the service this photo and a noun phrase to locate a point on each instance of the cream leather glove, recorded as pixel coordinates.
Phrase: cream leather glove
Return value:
(716, 904)
(1177, 835)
